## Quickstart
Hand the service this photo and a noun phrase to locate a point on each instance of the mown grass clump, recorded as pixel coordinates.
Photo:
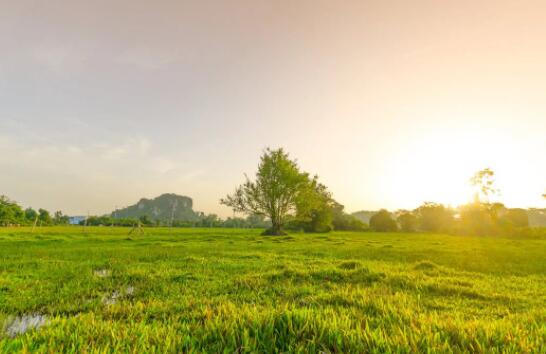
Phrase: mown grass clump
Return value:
(425, 265)
(350, 265)
(216, 290)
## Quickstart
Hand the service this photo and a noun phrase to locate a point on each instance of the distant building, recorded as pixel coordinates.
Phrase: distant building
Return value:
(75, 220)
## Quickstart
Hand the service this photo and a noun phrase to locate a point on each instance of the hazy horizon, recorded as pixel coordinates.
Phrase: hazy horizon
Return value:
(391, 103)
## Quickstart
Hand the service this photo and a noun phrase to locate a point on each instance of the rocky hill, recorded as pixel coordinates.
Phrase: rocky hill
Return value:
(163, 208)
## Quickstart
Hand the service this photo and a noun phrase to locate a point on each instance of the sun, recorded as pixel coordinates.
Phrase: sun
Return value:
(436, 170)
(438, 167)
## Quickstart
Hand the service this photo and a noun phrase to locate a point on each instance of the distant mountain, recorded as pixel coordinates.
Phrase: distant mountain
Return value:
(364, 215)
(163, 208)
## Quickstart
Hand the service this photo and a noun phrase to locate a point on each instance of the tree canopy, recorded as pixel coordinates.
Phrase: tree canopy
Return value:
(484, 183)
(10, 212)
(275, 191)
(383, 221)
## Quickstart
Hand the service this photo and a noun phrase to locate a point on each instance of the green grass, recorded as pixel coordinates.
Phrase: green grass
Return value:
(223, 290)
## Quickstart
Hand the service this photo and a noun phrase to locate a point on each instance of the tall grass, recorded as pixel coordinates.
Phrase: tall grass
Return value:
(226, 290)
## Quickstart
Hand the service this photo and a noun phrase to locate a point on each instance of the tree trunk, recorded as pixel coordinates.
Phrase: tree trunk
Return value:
(275, 230)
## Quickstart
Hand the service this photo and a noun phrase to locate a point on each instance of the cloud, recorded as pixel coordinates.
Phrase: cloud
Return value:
(130, 148)
(72, 176)
(60, 59)
(145, 58)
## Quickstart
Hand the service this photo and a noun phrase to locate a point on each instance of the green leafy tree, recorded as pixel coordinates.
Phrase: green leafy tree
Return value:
(383, 221)
(43, 217)
(234, 222)
(59, 218)
(106, 220)
(407, 221)
(10, 212)
(274, 193)
(210, 220)
(30, 215)
(145, 220)
(346, 222)
(314, 207)
(433, 217)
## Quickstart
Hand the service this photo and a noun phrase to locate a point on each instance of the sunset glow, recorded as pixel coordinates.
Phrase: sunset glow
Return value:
(389, 104)
(273, 176)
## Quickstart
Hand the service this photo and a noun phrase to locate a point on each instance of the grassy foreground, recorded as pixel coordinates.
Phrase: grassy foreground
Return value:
(224, 290)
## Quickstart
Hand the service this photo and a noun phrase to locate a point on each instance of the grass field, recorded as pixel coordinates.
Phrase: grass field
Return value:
(224, 290)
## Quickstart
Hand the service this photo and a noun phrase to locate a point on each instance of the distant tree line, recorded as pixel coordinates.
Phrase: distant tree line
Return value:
(476, 218)
(206, 220)
(480, 217)
(11, 214)
(339, 221)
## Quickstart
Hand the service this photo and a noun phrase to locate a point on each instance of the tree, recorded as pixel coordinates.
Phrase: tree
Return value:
(433, 217)
(516, 217)
(274, 193)
(30, 215)
(234, 222)
(145, 220)
(382, 221)
(210, 220)
(346, 222)
(407, 221)
(257, 221)
(10, 212)
(44, 217)
(59, 218)
(483, 182)
(314, 207)
(479, 218)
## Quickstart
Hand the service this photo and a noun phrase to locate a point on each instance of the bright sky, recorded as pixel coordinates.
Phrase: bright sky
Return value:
(392, 103)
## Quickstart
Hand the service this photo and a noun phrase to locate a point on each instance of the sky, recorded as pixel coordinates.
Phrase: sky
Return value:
(391, 103)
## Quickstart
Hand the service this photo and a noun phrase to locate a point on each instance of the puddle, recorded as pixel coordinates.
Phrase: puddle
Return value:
(22, 324)
(102, 273)
(111, 299)
(117, 295)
